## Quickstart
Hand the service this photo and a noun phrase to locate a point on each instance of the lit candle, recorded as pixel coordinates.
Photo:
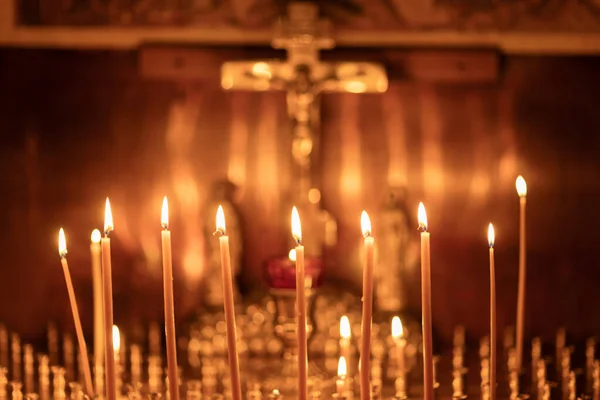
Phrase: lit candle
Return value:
(342, 371)
(367, 309)
(491, 238)
(111, 389)
(426, 305)
(400, 341)
(62, 251)
(95, 253)
(234, 369)
(116, 338)
(345, 336)
(300, 307)
(522, 192)
(171, 339)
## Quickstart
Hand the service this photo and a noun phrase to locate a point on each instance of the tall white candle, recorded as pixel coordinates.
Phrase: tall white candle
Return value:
(426, 305)
(234, 368)
(400, 341)
(169, 304)
(522, 192)
(300, 307)
(367, 308)
(493, 329)
(62, 251)
(96, 257)
(111, 388)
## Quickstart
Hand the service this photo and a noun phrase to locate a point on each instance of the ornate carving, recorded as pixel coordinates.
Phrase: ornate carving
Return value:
(401, 15)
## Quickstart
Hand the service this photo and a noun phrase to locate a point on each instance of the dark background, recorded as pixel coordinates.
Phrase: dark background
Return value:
(78, 126)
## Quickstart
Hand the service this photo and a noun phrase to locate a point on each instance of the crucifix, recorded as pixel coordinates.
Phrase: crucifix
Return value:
(304, 77)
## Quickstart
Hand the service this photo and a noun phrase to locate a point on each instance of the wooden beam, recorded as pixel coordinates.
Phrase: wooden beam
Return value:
(184, 64)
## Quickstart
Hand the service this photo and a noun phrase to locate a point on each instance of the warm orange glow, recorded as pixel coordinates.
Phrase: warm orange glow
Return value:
(521, 186)
(164, 215)
(116, 339)
(96, 236)
(491, 235)
(355, 87)
(296, 226)
(365, 224)
(220, 220)
(62, 243)
(108, 218)
(422, 217)
(397, 329)
(292, 255)
(345, 331)
(342, 369)
(261, 70)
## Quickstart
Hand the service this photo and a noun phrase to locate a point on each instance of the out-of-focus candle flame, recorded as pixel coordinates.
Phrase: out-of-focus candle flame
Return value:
(422, 217)
(108, 218)
(521, 186)
(296, 226)
(292, 255)
(397, 328)
(345, 331)
(342, 369)
(96, 236)
(365, 224)
(220, 221)
(62, 243)
(116, 339)
(164, 215)
(491, 235)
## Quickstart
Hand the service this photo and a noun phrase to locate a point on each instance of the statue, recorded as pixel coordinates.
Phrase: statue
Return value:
(222, 193)
(395, 252)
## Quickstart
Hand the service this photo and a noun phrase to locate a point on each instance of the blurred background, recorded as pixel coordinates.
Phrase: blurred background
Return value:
(124, 99)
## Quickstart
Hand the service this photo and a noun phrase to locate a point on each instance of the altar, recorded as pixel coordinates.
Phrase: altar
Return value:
(251, 108)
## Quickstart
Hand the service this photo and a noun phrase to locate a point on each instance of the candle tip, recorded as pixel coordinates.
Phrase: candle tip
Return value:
(397, 328)
(345, 331)
(108, 218)
(521, 185)
(422, 217)
(164, 215)
(342, 369)
(220, 222)
(296, 226)
(491, 235)
(116, 338)
(62, 243)
(96, 236)
(365, 223)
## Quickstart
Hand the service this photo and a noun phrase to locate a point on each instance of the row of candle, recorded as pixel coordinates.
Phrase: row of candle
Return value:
(300, 302)
(104, 326)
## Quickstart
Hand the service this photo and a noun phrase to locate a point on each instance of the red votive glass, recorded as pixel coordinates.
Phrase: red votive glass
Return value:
(281, 272)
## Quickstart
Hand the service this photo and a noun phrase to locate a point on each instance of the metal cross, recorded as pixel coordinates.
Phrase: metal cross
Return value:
(304, 77)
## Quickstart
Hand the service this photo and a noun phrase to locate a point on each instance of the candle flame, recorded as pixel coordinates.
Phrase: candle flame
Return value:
(108, 218)
(62, 243)
(164, 215)
(296, 226)
(116, 339)
(422, 216)
(220, 220)
(276, 392)
(521, 186)
(365, 224)
(96, 236)
(491, 235)
(292, 255)
(397, 328)
(345, 331)
(342, 369)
